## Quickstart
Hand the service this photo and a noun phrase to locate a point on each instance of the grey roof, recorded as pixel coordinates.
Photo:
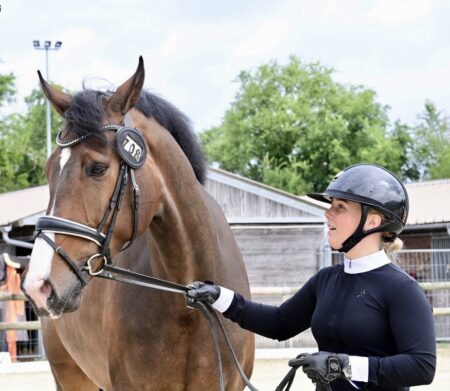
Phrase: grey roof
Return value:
(16, 206)
(429, 202)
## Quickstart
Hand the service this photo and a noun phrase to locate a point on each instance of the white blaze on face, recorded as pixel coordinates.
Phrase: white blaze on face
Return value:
(42, 254)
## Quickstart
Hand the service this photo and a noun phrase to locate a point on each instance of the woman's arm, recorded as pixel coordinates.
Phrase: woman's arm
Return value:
(276, 322)
(411, 322)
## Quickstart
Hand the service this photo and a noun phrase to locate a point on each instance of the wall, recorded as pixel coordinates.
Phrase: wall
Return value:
(279, 255)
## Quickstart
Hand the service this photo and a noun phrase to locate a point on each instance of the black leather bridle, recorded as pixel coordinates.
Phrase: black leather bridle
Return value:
(132, 150)
(131, 159)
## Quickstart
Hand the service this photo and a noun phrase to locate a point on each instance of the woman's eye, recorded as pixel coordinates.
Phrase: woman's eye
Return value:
(96, 169)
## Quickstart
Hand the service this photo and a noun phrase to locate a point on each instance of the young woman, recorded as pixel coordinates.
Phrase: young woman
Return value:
(372, 322)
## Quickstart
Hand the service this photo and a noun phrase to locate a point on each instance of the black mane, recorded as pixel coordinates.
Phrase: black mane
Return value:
(85, 114)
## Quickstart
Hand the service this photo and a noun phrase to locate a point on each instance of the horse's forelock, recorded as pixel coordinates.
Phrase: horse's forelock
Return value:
(85, 114)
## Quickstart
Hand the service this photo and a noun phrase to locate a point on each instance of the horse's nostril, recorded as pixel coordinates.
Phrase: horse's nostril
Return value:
(46, 289)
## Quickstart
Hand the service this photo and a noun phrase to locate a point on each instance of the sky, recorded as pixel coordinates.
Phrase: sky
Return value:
(193, 50)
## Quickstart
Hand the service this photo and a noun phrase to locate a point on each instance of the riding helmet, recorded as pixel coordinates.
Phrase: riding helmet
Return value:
(375, 187)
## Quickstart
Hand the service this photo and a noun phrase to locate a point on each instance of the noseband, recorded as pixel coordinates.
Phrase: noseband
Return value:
(132, 150)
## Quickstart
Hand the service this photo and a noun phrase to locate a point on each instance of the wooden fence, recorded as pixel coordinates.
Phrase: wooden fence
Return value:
(283, 292)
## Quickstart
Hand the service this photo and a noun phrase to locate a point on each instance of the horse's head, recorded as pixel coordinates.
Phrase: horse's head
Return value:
(94, 177)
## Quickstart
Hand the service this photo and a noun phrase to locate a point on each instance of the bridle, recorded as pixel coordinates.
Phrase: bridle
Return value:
(132, 150)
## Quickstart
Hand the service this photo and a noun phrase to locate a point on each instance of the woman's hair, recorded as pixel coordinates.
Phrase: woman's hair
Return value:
(392, 248)
(390, 243)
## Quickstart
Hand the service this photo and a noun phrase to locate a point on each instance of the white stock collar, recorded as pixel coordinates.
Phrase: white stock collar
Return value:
(367, 263)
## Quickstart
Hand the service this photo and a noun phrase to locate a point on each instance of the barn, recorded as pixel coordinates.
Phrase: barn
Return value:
(282, 236)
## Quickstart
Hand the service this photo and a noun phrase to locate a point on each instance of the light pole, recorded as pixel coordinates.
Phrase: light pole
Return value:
(48, 46)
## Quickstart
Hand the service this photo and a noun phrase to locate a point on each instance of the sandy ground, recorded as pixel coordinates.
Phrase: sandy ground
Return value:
(267, 375)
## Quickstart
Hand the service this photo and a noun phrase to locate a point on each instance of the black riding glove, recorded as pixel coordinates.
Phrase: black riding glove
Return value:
(205, 292)
(324, 367)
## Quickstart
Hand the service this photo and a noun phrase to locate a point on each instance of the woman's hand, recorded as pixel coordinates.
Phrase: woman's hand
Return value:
(324, 367)
(204, 292)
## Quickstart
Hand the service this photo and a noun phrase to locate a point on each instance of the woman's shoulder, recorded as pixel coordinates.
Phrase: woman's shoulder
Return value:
(329, 271)
(397, 273)
(393, 277)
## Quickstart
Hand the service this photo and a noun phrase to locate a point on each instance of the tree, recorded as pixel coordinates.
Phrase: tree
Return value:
(293, 127)
(431, 152)
(7, 88)
(23, 144)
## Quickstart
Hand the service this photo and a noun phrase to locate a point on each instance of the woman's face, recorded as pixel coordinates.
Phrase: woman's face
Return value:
(343, 218)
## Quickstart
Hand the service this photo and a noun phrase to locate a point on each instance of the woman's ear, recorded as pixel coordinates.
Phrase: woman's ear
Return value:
(373, 221)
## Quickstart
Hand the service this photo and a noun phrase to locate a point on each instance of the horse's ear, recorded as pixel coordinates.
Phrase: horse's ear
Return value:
(59, 100)
(128, 93)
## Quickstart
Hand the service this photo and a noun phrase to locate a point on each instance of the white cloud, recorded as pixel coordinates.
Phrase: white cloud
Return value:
(193, 50)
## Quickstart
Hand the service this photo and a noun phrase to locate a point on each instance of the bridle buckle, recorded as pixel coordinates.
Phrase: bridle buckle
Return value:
(89, 267)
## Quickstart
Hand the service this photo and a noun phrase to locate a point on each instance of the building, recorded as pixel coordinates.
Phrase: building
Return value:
(281, 236)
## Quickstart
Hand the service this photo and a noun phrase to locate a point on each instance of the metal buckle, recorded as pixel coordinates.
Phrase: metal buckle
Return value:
(89, 267)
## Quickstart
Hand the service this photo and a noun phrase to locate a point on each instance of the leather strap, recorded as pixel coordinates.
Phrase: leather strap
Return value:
(58, 250)
(59, 225)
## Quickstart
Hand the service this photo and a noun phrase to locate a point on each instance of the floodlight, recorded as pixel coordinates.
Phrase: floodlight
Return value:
(47, 46)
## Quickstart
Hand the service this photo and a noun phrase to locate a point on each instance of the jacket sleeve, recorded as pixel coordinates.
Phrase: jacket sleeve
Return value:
(412, 325)
(276, 322)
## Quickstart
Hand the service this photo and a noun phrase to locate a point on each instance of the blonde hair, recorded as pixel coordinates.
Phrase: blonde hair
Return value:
(392, 248)
(390, 243)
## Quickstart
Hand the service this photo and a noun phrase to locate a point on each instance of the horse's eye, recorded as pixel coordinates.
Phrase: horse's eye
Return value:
(96, 169)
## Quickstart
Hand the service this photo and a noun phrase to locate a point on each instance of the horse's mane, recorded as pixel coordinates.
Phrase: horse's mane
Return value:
(85, 113)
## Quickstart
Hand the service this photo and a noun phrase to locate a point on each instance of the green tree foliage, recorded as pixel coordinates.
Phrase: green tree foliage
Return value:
(23, 144)
(431, 153)
(293, 127)
(7, 88)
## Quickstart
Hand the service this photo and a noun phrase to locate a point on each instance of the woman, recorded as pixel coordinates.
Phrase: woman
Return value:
(373, 318)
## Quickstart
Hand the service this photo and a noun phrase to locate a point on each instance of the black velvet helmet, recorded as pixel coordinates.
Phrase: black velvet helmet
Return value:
(375, 187)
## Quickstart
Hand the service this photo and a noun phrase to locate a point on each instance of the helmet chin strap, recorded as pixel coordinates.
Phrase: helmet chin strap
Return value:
(359, 233)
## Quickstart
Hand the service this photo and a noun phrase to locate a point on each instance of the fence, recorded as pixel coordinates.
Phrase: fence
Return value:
(431, 268)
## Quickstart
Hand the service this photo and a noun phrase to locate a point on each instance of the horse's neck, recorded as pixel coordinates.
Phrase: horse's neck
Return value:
(184, 236)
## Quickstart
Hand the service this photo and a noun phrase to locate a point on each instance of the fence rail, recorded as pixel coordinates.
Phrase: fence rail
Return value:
(280, 292)
(29, 325)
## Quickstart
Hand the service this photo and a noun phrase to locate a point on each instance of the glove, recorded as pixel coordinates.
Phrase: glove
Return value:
(204, 292)
(324, 367)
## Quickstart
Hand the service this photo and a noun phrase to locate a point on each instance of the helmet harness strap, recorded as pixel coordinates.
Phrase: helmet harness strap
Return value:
(360, 234)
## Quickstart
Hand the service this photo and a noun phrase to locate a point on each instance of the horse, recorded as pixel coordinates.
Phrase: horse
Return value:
(126, 187)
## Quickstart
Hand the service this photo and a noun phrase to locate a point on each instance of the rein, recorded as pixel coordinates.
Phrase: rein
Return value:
(210, 314)
(133, 278)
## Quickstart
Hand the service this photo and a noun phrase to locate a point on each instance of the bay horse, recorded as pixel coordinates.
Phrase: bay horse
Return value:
(105, 334)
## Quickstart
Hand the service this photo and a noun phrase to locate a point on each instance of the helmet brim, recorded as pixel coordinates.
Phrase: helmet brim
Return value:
(322, 197)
